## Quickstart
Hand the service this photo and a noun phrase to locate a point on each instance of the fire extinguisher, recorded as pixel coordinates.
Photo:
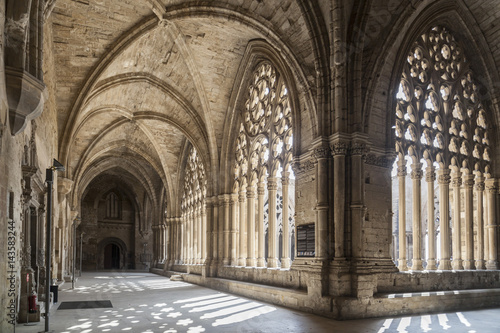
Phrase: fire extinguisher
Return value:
(32, 302)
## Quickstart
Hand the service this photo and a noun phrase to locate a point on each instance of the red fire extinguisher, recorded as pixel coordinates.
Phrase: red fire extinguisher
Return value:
(32, 302)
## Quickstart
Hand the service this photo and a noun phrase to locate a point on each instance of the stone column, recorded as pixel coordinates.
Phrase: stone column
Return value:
(215, 231)
(234, 229)
(209, 230)
(339, 150)
(468, 262)
(456, 231)
(203, 214)
(184, 240)
(272, 259)
(321, 232)
(226, 229)
(444, 222)
(250, 226)
(358, 208)
(479, 188)
(402, 261)
(198, 233)
(491, 188)
(190, 242)
(243, 227)
(285, 260)
(261, 191)
(430, 177)
(416, 176)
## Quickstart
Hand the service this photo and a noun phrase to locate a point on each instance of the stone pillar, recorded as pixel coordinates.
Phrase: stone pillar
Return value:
(234, 229)
(444, 223)
(456, 231)
(358, 208)
(251, 226)
(321, 231)
(430, 177)
(339, 150)
(208, 231)
(491, 188)
(272, 259)
(285, 260)
(199, 233)
(203, 214)
(479, 188)
(261, 191)
(215, 232)
(402, 261)
(226, 230)
(468, 262)
(190, 235)
(243, 227)
(416, 176)
(184, 240)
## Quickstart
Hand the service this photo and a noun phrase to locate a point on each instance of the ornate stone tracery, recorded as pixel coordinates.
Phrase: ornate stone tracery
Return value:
(263, 155)
(441, 121)
(193, 209)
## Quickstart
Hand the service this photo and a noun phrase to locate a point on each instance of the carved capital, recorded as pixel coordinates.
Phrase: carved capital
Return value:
(321, 153)
(479, 186)
(417, 174)
(444, 179)
(402, 171)
(469, 181)
(430, 175)
(456, 182)
(272, 184)
(359, 148)
(339, 148)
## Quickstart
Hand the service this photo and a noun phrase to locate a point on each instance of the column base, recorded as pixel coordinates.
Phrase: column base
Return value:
(261, 262)
(417, 265)
(225, 262)
(251, 262)
(492, 265)
(431, 265)
(469, 264)
(480, 264)
(444, 265)
(402, 265)
(285, 263)
(241, 262)
(234, 261)
(457, 264)
(272, 262)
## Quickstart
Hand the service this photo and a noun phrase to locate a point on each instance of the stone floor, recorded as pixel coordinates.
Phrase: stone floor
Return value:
(144, 302)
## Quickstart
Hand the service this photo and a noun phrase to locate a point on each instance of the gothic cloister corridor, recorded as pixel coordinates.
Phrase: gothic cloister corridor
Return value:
(339, 158)
(143, 302)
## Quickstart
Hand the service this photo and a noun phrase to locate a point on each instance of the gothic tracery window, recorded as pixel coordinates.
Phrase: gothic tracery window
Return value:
(193, 209)
(263, 156)
(113, 206)
(441, 124)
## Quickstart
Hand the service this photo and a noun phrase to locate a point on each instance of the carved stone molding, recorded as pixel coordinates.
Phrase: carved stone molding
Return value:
(321, 153)
(339, 148)
(26, 96)
(300, 167)
(380, 161)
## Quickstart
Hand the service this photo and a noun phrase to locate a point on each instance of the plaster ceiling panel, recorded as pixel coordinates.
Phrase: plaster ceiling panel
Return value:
(142, 96)
(170, 141)
(217, 47)
(155, 53)
(99, 133)
(82, 33)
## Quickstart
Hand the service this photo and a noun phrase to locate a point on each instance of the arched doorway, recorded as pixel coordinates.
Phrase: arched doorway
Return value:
(111, 256)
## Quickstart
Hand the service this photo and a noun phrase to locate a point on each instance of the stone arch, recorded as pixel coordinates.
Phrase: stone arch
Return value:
(101, 245)
(256, 52)
(452, 14)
